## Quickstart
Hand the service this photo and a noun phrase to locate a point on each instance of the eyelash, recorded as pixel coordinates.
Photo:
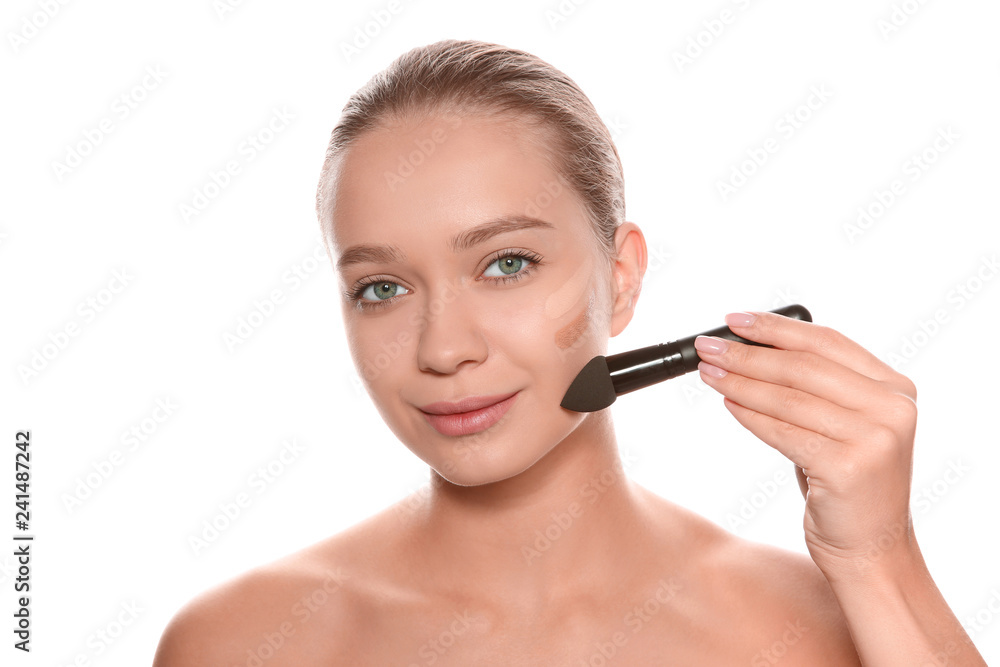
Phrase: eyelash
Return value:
(359, 289)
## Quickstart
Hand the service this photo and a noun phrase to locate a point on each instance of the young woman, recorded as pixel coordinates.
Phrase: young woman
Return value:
(472, 204)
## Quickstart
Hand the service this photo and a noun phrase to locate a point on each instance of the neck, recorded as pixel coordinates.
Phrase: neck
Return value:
(570, 521)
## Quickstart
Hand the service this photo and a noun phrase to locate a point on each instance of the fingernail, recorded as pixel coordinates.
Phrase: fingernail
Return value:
(740, 319)
(709, 369)
(710, 344)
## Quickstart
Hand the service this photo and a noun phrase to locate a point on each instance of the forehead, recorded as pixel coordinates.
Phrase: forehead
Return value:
(443, 173)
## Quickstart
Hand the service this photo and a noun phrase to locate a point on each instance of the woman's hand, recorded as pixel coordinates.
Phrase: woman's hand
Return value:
(845, 418)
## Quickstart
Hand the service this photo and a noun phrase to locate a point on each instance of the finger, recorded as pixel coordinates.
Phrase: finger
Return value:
(792, 406)
(791, 334)
(805, 371)
(807, 449)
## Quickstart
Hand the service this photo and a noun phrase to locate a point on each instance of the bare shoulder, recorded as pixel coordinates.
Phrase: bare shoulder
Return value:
(302, 609)
(797, 613)
(266, 612)
(776, 603)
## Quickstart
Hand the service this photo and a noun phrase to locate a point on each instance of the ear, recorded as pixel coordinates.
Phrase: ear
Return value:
(627, 272)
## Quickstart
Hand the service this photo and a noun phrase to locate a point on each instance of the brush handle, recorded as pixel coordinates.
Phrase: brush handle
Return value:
(640, 368)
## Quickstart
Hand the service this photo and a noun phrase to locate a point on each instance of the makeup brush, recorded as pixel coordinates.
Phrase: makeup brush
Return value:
(604, 379)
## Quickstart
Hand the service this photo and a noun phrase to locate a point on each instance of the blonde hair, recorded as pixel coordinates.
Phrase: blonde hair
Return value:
(470, 76)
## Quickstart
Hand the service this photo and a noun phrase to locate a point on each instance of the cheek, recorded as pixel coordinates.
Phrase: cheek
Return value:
(570, 294)
(568, 335)
(380, 353)
(572, 306)
(549, 350)
(512, 332)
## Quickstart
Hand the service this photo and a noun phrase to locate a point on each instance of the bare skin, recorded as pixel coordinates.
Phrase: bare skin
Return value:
(530, 546)
(361, 598)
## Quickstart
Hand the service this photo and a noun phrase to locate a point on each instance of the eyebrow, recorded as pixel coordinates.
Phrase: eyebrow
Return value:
(359, 254)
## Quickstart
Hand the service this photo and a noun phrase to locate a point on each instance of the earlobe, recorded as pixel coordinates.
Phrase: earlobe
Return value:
(628, 268)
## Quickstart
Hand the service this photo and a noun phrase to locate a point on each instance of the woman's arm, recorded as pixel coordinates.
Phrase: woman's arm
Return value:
(848, 421)
(896, 613)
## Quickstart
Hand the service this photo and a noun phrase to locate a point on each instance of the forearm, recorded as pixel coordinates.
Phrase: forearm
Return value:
(897, 615)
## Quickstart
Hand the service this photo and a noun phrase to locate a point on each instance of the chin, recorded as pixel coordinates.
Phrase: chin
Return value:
(476, 473)
(475, 461)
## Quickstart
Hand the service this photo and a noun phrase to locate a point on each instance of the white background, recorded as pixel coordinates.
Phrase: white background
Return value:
(681, 129)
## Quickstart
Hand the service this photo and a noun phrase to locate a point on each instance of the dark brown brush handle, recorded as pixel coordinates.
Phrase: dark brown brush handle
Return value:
(640, 368)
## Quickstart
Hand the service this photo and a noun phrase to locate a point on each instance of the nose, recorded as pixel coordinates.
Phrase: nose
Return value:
(451, 333)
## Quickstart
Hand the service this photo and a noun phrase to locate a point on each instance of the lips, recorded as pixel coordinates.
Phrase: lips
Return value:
(470, 415)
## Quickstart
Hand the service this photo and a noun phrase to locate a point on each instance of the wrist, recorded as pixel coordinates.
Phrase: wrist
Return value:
(894, 610)
(892, 560)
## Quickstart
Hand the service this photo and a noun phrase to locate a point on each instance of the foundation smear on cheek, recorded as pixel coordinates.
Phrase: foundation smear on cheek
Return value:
(570, 334)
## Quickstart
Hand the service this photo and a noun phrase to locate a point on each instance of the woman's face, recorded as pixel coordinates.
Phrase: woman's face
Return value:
(472, 272)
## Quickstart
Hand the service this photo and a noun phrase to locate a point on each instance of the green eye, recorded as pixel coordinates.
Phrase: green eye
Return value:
(382, 290)
(377, 292)
(513, 264)
(508, 265)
